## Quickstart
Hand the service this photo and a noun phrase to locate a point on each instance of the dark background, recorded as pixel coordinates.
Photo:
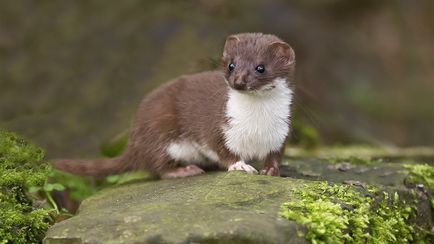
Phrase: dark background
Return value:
(73, 72)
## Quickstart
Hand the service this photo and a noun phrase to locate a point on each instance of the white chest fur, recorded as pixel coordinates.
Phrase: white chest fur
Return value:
(258, 123)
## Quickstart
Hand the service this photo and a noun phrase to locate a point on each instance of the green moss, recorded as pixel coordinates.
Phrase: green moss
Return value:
(340, 213)
(353, 160)
(22, 166)
(421, 174)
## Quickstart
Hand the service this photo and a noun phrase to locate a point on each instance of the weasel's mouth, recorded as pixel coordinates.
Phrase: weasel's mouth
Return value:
(250, 89)
(260, 91)
(242, 89)
(267, 87)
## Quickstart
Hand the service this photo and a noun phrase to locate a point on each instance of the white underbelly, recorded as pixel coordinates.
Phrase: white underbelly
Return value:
(190, 152)
(257, 143)
(257, 124)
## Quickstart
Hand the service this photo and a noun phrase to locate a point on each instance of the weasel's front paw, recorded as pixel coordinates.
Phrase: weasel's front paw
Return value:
(240, 165)
(272, 171)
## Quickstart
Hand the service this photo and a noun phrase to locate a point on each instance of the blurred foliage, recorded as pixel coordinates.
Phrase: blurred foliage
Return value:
(354, 160)
(24, 217)
(303, 134)
(115, 146)
(78, 187)
(75, 71)
(81, 187)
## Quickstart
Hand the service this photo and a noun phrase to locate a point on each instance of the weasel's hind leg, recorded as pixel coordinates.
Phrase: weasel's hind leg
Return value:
(181, 172)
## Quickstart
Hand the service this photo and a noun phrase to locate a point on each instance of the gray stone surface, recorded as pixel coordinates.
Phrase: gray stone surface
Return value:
(232, 207)
(213, 208)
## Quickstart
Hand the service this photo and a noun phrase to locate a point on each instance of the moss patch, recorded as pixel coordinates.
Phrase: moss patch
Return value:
(421, 174)
(22, 166)
(340, 213)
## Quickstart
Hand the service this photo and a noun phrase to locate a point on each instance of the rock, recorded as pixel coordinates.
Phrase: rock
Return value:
(212, 208)
(391, 173)
(342, 166)
(218, 207)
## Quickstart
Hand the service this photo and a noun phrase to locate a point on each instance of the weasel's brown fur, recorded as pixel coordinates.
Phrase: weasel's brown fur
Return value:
(193, 107)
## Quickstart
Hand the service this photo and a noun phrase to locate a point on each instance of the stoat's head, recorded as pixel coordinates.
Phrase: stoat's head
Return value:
(252, 61)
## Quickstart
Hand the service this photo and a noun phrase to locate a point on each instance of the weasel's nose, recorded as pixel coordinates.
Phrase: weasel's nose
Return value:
(240, 85)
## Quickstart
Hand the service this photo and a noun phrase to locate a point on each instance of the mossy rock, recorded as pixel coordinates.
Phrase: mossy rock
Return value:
(23, 217)
(213, 208)
(399, 168)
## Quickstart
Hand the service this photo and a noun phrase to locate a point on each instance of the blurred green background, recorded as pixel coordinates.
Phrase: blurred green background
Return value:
(73, 72)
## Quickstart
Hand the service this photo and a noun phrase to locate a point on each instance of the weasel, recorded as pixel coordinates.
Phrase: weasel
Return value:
(227, 117)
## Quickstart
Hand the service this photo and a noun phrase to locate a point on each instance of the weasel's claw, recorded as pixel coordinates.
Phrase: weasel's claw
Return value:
(240, 165)
(271, 171)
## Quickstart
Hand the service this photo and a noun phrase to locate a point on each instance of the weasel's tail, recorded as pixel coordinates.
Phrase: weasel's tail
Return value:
(97, 167)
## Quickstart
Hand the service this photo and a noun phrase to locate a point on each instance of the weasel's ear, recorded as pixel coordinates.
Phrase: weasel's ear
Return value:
(231, 41)
(282, 51)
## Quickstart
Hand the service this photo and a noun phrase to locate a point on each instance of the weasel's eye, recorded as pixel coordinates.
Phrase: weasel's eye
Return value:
(260, 68)
(231, 66)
